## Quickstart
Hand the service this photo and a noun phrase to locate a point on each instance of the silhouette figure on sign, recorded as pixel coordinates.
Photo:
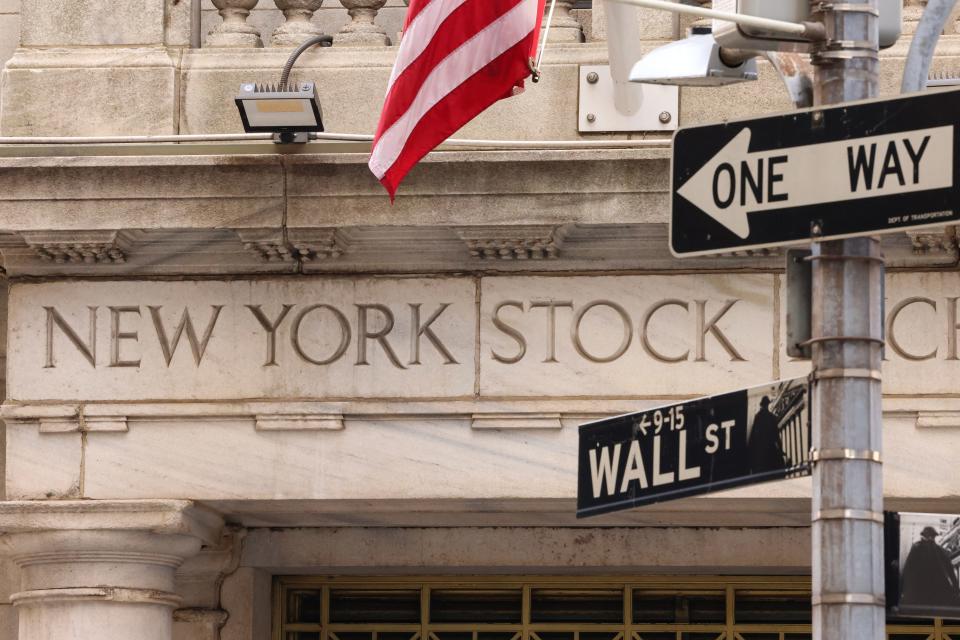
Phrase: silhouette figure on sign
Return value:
(764, 447)
(928, 577)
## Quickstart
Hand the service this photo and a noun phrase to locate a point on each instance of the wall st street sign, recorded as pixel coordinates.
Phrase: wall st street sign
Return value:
(862, 168)
(735, 439)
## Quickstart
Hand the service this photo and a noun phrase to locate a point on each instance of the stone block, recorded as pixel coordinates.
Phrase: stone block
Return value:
(92, 22)
(538, 549)
(351, 93)
(351, 83)
(381, 459)
(923, 341)
(156, 192)
(198, 624)
(625, 336)
(653, 24)
(8, 622)
(9, 35)
(9, 6)
(358, 335)
(88, 93)
(546, 110)
(3, 457)
(42, 465)
(767, 95)
(246, 596)
(177, 24)
(9, 581)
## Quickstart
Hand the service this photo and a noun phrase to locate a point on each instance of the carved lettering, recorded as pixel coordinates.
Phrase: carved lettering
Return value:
(891, 329)
(418, 330)
(344, 334)
(552, 306)
(198, 347)
(711, 327)
(365, 334)
(88, 349)
(271, 328)
(513, 332)
(116, 336)
(624, 341)
(645, 331)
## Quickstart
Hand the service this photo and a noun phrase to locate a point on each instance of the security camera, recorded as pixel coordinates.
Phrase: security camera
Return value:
(695, 61)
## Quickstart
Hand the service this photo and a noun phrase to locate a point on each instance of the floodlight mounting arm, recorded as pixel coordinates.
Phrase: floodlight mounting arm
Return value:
(813, 31)
(322, 40)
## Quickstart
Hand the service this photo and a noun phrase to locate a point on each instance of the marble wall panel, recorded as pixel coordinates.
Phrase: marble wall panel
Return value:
(540, 549)
(625, 336)
(416, 459)
(539, 337)
(923, 339)
(370, 459)
(92, 22)
(8, 622)
(114, 100)
(363, 343)
(9, 581)
(42, 465)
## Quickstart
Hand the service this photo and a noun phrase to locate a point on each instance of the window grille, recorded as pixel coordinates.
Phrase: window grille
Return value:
(563, 608)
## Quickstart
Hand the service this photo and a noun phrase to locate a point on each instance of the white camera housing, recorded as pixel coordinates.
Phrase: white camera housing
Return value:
(692, 62)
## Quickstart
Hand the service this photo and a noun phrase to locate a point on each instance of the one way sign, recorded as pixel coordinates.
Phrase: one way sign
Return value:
(862, 168)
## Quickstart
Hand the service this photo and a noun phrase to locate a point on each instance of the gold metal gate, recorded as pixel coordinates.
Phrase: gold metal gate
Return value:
(556, 608)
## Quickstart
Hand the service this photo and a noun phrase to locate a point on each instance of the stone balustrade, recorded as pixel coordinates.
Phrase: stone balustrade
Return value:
(362, 28)
(169, 88)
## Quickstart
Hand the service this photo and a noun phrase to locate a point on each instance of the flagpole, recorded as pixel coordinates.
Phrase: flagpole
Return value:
(546, 34)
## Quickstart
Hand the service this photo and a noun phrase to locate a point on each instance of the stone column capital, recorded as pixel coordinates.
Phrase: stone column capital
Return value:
(165, 517)
(101, 569)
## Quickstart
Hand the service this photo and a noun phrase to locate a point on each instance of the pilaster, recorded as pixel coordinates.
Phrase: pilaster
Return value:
(101, 569)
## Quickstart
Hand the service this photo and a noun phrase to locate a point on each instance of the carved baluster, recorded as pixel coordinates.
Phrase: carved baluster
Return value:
(362, 30)
(234, 31)
(564, 27)
(298, 26)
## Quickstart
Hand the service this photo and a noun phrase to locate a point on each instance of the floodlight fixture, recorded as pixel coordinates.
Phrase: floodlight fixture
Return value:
(289, 111)
(284, 111)
(695, 61)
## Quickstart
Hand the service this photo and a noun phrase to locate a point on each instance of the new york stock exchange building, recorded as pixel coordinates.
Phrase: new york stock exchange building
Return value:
(248, 398)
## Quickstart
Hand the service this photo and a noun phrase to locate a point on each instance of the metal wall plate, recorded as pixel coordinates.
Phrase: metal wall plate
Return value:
(659, 105)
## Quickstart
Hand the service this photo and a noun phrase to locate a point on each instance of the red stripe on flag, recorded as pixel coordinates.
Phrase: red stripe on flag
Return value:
(464, 23)
(416, 6)
(494, 81)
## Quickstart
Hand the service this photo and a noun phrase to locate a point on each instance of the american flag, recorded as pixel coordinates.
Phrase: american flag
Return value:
(457, 58)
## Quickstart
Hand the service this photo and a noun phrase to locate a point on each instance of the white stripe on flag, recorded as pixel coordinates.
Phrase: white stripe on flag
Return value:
(501, 34)
(418, 35)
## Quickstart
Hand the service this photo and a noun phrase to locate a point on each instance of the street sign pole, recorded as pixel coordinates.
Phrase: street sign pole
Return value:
(847, 529)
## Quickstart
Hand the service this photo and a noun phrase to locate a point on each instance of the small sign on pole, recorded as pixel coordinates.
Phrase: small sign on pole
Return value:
(862, 168)
(695, 447)
(922, 556)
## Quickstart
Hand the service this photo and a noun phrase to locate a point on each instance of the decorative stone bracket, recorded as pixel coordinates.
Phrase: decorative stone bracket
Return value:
(79, 247)
(303, 245)
(938, 420)
(934, 241)
(520, 242)
(94, 418)
(514, 421)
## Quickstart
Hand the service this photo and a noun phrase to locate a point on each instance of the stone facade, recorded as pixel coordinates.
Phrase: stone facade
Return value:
(229, 362)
